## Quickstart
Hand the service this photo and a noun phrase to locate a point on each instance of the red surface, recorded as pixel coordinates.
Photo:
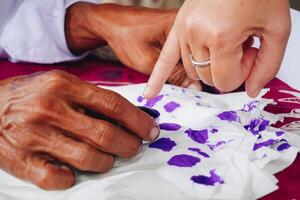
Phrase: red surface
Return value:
(105, 73)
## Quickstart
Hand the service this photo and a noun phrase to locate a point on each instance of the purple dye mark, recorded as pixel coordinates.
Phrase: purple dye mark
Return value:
(212, 180)
(200, 136)
(164, 144)
(140, 99)
(279, 133)
(150, 111)
(257, 125)
(198, 104)
(214, 130)
(229, 116)
(169, 126)
(184, 160)
(198, 97)
(151, 102)
(214, 146)
(264, 144)
(250, 106)
(202, 153)
(283, 146)
(171, 106)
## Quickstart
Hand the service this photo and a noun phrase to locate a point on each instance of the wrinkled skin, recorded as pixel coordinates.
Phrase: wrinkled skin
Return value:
(52, 123)
(136, 35)
(218, 31)
(47, 128)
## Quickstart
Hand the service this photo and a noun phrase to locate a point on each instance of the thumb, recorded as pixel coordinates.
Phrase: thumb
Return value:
(166, 62)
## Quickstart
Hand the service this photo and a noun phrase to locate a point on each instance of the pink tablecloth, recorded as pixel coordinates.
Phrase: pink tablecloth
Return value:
(104, 73)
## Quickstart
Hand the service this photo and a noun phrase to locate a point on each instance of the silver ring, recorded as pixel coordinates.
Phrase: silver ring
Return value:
(199, 64)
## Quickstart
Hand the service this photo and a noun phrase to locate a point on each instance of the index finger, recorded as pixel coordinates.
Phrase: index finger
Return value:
(115, 107)
(167, 60)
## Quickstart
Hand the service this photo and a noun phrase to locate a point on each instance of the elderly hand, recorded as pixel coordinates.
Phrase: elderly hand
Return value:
(136, 35)
(53, 122)
(221, 31)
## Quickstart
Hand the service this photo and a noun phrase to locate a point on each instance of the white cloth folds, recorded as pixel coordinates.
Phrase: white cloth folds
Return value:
(210, 147)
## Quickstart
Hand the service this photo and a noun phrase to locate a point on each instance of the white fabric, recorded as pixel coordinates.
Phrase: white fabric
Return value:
(247, 174)
(35, 30)
(290, 68)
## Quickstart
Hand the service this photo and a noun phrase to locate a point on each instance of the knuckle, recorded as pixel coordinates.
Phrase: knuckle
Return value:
(218, 37)
(104, 136)
(83, 157)
(56, 80)
(114, 103)
(45, 179)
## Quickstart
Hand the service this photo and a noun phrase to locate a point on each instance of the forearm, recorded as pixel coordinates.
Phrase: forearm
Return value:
(79, 23)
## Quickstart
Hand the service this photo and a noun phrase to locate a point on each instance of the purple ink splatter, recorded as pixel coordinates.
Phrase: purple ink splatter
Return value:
(214, 130)
(169, 126)
(184, 160)
(171, 106)
(197, 96)
(212, 180)
(264, 144)
(150, 111)
(140, 99)
(214, 146)
(151, 102)
(202, 153)
(250, 106)
(257, 125)
(279, 133)
(229, 116)
(200, 136)
(164, 144)
(283, 146)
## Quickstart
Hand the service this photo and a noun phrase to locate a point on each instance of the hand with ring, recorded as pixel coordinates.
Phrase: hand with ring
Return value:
(214, 40)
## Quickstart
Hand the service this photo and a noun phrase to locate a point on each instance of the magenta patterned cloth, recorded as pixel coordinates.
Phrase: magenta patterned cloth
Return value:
(106, 73)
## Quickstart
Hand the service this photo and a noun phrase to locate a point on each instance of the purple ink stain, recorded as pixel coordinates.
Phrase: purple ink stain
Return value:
(151, 102)
(200, 136)
(150, 111)
(250, 106)
(283, 146)
(257, 125)
(198, 97)
(184, 160)
(164, 144)
(169, 126)
(171, 106)
(140, 99)
(214, 130)
(229, 116)
(214, 146)
(202, 153)
(212, 180)
(198, 104)
(279, 133)
(264, 144)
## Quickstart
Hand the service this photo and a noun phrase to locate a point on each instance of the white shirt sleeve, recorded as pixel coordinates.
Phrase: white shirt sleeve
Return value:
(36, 32)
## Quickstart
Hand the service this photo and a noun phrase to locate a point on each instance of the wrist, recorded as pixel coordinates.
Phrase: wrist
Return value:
(78, 29)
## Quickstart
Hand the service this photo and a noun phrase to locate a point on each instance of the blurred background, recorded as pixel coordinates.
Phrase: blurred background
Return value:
(295, 4)
(170, 3)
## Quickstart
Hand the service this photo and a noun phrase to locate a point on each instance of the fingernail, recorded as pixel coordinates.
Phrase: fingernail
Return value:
(154, 133)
